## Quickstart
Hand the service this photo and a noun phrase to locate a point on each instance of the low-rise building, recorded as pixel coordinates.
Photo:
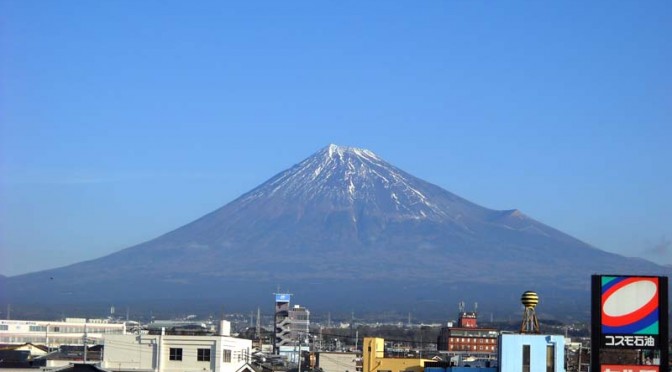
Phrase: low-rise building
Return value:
(467, 339)
(176, 353)
(72, 331)
(374, 359)
(292, 354)
(21, 357)
(67, 355)
(35, 351)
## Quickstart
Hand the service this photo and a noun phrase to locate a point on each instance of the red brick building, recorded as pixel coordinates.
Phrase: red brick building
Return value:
(467, 338)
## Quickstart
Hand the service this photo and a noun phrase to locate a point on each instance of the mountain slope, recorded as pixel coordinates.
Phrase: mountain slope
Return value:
(338, 227)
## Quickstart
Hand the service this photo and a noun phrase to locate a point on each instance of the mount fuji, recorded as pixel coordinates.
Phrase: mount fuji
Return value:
(342, 230)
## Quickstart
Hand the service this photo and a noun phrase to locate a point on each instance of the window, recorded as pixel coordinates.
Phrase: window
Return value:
(526, 358)
(203, 355)
(175, 353)
(4, 327)
(550, 358)
(37, 329)
(226, 358)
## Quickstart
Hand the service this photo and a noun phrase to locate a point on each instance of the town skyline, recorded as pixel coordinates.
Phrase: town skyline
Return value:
(124, 121)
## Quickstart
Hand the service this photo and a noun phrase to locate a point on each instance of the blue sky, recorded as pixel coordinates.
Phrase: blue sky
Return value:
(122, 120)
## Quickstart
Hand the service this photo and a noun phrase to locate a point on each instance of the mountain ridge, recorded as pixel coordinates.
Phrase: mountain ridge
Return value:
(345, 218)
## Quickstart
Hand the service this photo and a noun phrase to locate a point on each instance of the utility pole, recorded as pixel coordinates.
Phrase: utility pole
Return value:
(299, 352)
(579, 370)
(421, 343)
(85, 347)
(46, 338)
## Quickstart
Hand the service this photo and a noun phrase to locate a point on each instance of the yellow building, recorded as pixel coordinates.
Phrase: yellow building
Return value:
(373, 359)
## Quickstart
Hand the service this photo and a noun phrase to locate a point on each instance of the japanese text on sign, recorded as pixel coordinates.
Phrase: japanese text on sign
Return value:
(629, 340)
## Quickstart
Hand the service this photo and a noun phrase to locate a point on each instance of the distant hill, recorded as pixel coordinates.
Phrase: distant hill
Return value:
(343, 230)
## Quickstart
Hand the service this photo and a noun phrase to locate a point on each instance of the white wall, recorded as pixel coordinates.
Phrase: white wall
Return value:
(510, 353)
(338, 362)
(151, 352)
(130, 352)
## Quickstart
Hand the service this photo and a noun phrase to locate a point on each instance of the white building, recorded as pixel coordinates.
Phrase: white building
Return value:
(53, 334)
(177, 353)
(531, 353)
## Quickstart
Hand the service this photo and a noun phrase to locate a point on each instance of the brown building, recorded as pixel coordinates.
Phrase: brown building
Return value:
(467, 338)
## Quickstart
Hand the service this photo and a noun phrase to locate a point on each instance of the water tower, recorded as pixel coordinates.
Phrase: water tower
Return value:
(529, 299)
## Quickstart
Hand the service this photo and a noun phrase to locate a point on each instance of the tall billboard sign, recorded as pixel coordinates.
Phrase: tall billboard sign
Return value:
(629, 313)
(282, 297)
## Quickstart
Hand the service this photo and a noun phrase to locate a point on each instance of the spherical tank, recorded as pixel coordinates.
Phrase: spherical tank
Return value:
(529, 299)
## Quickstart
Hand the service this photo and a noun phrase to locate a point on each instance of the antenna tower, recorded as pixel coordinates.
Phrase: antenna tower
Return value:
(258, 329)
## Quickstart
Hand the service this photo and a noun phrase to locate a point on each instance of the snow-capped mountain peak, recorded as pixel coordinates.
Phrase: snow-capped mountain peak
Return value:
(350, 178)
(339, 151)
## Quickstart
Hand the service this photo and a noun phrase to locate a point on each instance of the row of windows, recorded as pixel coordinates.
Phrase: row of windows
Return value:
(467, 347)
(202, 355)
(41, 339)
(474, 340)
(55, 329)
(473, 333)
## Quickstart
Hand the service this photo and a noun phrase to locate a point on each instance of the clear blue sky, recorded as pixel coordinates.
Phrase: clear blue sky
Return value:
(122, 120)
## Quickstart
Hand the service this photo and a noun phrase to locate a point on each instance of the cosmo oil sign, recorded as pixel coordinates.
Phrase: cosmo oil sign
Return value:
(629, 312)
